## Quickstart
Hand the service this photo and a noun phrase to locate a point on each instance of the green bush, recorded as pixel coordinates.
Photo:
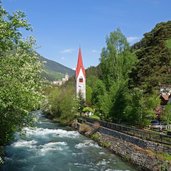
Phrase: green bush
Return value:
(60, 103)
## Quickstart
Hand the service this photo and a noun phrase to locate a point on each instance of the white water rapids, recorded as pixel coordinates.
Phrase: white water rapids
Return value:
(50, 147)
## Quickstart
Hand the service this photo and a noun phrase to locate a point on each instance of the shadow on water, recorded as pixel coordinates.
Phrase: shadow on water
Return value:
(50, 147)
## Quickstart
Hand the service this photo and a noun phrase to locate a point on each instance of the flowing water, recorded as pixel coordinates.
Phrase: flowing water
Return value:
(50, 147)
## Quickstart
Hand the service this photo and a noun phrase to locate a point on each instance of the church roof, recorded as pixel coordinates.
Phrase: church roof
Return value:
(80, 64)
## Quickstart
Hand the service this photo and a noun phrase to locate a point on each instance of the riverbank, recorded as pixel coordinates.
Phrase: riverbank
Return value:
(144, 159)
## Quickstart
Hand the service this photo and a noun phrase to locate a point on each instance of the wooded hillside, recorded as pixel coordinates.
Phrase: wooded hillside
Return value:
(154, 58)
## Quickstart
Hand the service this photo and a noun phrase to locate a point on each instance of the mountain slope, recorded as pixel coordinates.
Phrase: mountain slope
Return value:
(154, 58)
(53, 70)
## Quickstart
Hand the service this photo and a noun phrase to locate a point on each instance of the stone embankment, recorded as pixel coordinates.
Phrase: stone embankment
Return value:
(143, 157)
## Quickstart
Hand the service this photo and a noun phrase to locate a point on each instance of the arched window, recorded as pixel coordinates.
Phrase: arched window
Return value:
(81, 80)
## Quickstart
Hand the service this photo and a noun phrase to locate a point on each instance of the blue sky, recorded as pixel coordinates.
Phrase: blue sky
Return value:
(62, 26)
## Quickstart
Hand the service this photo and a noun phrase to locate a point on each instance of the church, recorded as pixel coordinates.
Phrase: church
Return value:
(80, 77)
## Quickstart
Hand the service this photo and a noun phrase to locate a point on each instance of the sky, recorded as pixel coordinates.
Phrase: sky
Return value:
(60, 27)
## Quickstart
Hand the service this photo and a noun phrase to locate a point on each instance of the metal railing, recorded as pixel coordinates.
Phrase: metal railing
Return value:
(143, 134)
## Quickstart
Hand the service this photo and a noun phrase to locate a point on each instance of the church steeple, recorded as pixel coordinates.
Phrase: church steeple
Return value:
(80, 76)
(80, 64)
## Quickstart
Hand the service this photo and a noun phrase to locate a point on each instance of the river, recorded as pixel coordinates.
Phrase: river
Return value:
(51, 147)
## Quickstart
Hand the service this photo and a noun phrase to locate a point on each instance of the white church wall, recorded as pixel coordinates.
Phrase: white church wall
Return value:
(81, 86)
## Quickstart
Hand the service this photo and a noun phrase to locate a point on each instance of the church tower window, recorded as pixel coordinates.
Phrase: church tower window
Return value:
(81, 80)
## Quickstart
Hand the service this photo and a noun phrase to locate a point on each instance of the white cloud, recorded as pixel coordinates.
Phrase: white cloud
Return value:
(62, 58)
(74, 68)
(65, 51)
(133, 39)
(95, 51)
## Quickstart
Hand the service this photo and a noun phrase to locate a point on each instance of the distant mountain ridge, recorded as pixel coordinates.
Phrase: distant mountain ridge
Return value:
(54, 70)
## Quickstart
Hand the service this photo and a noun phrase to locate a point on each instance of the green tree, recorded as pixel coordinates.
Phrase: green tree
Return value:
(10, 26)
(60, 103)
(166, 116)
(20, 84)
(80, 103)
(118, 96)
(52, 100)
(88, 95)
(68, 106)
(114, 102)
(116, 63)
(140, 109)
(99, 90)
(90, 85)
(20, 81)
(116, 59)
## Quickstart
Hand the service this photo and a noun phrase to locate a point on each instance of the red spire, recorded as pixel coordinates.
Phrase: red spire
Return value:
(80, 64)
